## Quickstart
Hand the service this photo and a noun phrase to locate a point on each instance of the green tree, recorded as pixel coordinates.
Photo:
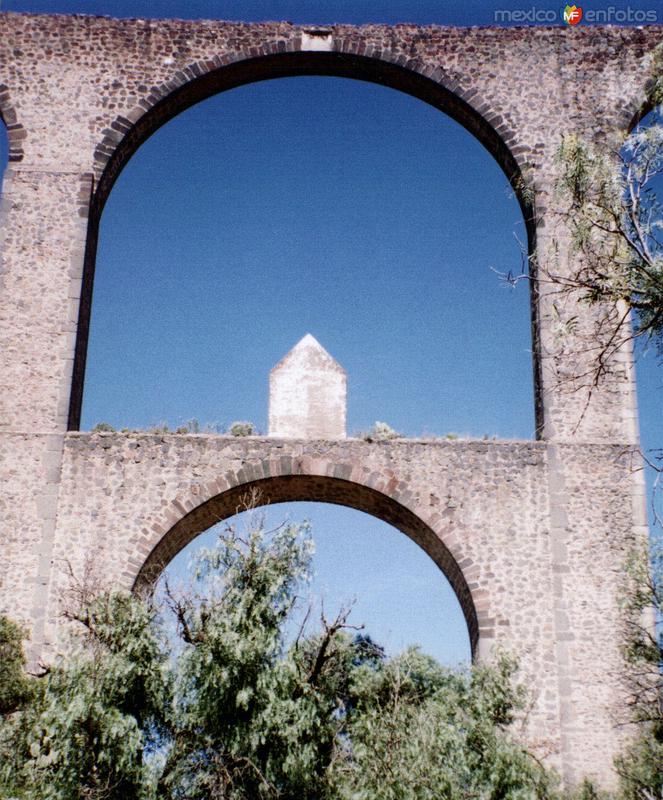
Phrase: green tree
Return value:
(94, 715)
(17, 691)
(610, 202)
(615, 217)
(15, 687)
(641, 766)
(421, 731)
(249, 708)
(250, 719)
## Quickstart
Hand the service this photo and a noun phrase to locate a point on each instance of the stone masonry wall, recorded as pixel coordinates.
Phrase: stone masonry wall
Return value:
(532, 535)
(486, 512)
(85, 91)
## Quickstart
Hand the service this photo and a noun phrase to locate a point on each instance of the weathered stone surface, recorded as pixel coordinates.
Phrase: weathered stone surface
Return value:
(532, 535)
(308, 394)
(81, 93)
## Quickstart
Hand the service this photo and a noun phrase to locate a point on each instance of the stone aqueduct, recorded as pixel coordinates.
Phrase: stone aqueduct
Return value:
(532, 535)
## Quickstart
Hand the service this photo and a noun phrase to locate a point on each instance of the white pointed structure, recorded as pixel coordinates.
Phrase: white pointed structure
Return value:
(307, 394)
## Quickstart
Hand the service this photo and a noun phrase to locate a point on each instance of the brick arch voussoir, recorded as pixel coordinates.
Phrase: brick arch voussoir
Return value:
(495, 117)
(123, 124)
(16, 133)
(522, 154)
(142, 567)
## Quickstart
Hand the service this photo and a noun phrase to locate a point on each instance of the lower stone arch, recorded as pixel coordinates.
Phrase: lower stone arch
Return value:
(382, 496)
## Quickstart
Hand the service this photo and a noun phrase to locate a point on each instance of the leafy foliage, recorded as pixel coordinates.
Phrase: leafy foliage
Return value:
(16, 692)
(103, 427)
(161, 428)
(381, 432)
(244, 724)
(247, 709)
(15, 688)
(616, 220)
(241, 428)
(609, 202)
(420, 731)
(96, 713)
(641, 767)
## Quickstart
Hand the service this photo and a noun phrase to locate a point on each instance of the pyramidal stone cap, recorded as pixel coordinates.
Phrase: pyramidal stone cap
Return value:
(308, 394)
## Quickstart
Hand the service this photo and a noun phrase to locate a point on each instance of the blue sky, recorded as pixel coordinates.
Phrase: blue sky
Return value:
(422, 12)
(358, 223)
(334, 207)
(391, 585)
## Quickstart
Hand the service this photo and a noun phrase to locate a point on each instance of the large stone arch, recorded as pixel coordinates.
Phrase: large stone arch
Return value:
(270, 60)
(339, 57)
(380, 494)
